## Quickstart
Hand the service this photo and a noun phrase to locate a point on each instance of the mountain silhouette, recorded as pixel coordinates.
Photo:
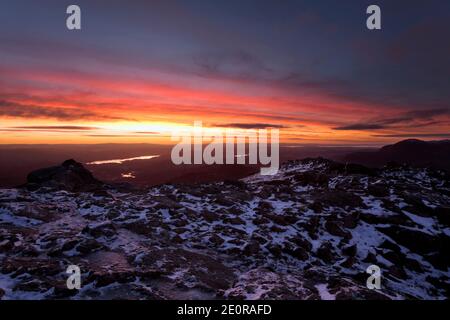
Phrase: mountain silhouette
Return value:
(413, 152)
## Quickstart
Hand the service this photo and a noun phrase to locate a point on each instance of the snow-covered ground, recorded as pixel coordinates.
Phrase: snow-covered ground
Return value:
(310, 232)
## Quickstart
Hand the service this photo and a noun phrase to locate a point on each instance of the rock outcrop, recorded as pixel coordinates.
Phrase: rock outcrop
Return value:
(70, 175)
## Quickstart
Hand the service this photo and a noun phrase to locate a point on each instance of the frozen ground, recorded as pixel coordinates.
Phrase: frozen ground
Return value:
(310, 232)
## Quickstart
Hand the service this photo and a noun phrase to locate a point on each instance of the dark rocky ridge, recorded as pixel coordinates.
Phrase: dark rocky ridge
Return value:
(309, 232)
(70, 175)
(413, 152)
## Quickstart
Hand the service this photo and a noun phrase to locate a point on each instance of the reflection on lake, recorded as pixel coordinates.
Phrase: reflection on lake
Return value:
(129, 175)
(120, 161)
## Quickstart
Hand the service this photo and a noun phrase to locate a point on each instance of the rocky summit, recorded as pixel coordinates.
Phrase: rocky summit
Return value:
(70, 175)
(309, 232)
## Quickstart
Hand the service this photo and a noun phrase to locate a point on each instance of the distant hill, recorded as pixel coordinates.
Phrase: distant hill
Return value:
(412, 151)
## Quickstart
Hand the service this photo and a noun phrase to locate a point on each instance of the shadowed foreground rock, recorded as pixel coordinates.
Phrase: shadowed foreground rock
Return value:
(70, 176)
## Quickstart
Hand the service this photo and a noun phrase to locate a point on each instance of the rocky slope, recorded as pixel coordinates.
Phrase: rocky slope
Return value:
(309, 232)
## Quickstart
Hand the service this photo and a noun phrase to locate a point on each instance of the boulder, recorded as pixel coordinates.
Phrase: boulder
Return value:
(70, 176)
(325, 252)
(416, 241)
(334, 228)
(252, 248)
(339, 198)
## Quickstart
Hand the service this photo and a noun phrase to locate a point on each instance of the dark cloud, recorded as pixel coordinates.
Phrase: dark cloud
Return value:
(21, 110)
(428, 114)
(415, 118)
(238, 64)
(111, 135)
(147, 132)
(249, 125)
(361, 126)
(62, 128)
(414, 135)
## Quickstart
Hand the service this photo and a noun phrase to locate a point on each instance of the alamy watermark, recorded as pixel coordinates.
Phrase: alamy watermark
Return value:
(74, 279)
(373, 22)
(374, 280)
(228, 146)
(73, 21)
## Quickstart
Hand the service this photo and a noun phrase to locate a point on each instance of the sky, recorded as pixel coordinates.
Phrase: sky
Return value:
(138, 70)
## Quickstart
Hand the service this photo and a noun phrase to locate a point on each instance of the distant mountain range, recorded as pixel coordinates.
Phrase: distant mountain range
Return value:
(17, 161)
(412, 152)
